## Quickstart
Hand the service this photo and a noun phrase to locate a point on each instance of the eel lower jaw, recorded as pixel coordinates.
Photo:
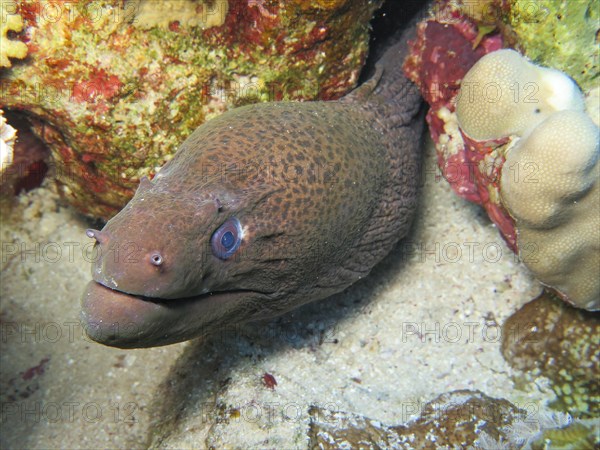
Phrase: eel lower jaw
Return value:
(118, 319)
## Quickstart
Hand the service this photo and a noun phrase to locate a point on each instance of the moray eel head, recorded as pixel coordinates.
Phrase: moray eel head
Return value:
(159, 277)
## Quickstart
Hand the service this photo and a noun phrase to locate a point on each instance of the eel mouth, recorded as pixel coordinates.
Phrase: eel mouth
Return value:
(118, 319)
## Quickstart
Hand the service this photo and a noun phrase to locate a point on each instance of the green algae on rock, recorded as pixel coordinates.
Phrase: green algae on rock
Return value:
(574, 436)
(561, 34)
(548, 338)
(112, 88)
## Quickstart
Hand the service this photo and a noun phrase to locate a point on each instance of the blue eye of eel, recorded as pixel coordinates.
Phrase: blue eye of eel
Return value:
(226, 239)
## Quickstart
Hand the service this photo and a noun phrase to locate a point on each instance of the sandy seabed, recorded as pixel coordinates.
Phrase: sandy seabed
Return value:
(425, 322)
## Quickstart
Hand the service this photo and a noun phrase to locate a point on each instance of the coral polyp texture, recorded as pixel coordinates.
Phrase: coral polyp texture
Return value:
(515, 137)
(504, 94)
(557, 211)
(113, 87)
(554, 197)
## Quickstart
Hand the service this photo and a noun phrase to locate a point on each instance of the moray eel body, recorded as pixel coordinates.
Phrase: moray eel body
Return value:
(261, 210)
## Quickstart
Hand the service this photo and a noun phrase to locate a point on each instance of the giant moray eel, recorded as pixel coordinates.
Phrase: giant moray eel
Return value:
(261, 210)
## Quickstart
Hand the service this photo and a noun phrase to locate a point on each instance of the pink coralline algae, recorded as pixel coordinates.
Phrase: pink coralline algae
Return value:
(446, 47)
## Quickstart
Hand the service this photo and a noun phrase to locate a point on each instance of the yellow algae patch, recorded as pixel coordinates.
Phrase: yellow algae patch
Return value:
(189, 13)
(10, 21)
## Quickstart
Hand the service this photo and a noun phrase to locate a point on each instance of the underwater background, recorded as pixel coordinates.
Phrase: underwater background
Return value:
(441, 345)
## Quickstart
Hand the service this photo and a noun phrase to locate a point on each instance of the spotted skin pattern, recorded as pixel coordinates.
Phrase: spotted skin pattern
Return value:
(322, 192)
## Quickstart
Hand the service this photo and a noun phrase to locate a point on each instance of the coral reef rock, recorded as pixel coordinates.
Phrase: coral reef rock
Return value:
(549, 338)
(460, 419)
(115, 86)
(549, 179)
(557, 210)
(556, 33)
(452, 420)
(492, 118)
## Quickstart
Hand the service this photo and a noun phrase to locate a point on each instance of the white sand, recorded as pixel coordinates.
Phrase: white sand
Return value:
(359, 351)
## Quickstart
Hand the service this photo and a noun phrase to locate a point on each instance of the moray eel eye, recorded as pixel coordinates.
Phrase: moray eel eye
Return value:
(227, 239)
(156, 259)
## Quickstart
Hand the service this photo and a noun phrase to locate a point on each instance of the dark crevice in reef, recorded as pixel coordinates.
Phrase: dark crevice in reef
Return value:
(387, 23)
(30, 158)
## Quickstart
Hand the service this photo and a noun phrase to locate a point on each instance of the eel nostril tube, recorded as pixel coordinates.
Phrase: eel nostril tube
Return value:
(100, 237)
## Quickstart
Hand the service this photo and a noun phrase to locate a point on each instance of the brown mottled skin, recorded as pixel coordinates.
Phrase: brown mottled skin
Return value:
(322, 190)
